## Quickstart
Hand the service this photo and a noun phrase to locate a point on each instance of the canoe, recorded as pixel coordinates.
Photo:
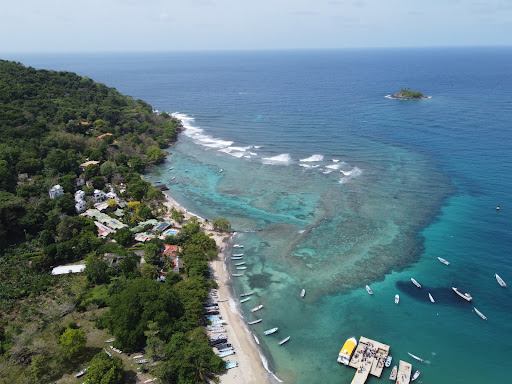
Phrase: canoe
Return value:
(257, 308)
(244, 300)
(254, 322)
(480, 313)
(270, 331)
(415, 283)
(284, 340)
(500, 280)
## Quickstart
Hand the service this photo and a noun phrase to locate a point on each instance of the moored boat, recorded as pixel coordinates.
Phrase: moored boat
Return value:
(500, 280)
(303, 293)
(415, 357)
(397, 299)
(237, 254)
(480, 313)
(257, 308)
(254, 322)
(369, 290)
(242, 263)
(236, 257)
(393, 374)
(284, 340)
(238, 246)
(415, 376)
(246, 294)
(389, 359)
(347, 350)
(466, 296)
(237, 274)
(415, 283)
(246, 299)
(241, 267)
(270, 331)
(431, 298)
(443, 261)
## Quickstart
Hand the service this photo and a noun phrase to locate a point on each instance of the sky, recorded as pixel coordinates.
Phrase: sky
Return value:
(183, 25)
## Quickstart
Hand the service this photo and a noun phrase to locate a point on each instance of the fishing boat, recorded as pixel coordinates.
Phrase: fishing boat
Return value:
(393, 374)
(347, 350)
(236, 257)
(431, 298)
(284, 340)
(241, 268)
(254, 322)
(397, 298)
(500, 280)
(443, 261)
(480, 313)
(303, 293)
(242, 263)
(466, 296)
(415, 376)
(389, 359)
(369, 290)
(246, 299)
(270, 331)
(246, 294)
(237, 254)
(415, 283)
(238, 246)
(257, 308)
(237, 274)
(415, 357)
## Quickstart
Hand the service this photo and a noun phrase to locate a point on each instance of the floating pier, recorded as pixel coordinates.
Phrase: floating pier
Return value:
(404, 373)
(369, 358)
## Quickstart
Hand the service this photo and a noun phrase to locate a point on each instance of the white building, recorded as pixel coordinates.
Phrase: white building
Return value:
(99, 195)
(79, 195)
(80, 206)
(56, 191)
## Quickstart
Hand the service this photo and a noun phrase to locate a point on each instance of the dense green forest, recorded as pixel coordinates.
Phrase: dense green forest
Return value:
(51, 327)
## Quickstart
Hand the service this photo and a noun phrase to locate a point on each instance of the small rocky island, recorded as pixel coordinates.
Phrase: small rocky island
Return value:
(407, 94)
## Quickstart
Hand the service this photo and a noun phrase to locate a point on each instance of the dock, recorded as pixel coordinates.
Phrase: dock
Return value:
(369, 358)
(404, 373)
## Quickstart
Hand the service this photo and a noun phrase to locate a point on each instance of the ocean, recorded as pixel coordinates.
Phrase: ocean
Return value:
(331, 186)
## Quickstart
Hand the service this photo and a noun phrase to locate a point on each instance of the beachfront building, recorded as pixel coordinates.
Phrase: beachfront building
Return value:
(56, 191)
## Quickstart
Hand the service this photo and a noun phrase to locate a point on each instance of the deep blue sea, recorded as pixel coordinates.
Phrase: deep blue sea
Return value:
(347, 188)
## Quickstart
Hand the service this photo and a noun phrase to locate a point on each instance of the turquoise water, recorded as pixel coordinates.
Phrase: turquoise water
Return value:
(412, 181)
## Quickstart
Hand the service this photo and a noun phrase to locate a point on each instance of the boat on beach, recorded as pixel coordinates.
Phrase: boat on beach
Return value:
(415, 357)
(369, 290)
(445, 262)
(246, 294)
(257, 308)
(480, 313)
(466, 296)
(303, 293)
(254, 322)
(397, 298)
(415, 283)
(284, 340)
(431, 298)
(500, 280)
(347, 350)
(415, 376)
(393, 374)
(270, 331)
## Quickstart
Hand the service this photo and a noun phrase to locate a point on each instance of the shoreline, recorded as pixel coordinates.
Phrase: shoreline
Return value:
(250, 368)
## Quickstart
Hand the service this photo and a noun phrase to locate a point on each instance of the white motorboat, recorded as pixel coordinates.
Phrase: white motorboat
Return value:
(464, 295)
(236, 257)
(303, 293)
(393, 374)
(369, 290)
(415, 357)
(500, 280)
(397, 299)
(243, 267)
(284, 340)
(389, 359)
(237, 254)
(415, 283)
(238, 246)
(270, 331)
(415, 376)
(431, 298)
(480, 313)
(257, 308)
(443, 261)
(254, 322)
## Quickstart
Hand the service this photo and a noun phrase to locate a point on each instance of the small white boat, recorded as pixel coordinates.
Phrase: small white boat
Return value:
(238, 246)
(393, 374)
(500, 280)
(270, 331)
(443, 261)
(389, 359)
(254, 322)
(415, 376)
(174, 177)
(242, 263)
(415, 283)
(466, 296)
(284, 340)
(237, 255)
(257, 308)
(369, 290)
(303, 293)
(415, 357)
(397, 298)
(237, 274)
(246, 294)
(241, 267)
(171, 168)
(236, 258)
(480, 313)
(220, 171)
(246, 299)
(431, 298)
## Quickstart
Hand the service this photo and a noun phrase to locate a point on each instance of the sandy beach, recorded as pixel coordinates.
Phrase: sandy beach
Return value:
(250, 367)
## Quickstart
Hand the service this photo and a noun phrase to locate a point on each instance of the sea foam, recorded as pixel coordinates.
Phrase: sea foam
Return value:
(349, 175)
(312, 158)
(283, 158)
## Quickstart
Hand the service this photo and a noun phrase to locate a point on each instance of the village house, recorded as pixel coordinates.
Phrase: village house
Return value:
(56, 191)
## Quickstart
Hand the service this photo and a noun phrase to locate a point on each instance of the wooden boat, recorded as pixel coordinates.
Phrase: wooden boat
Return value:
(369, 290)
(257, 308)
(393, 374)
(303, 293)
(466, 296)
(254, 322)
(443, 261)
(246, 294)
(397, 299)
(415, 357)
(431, 298)
(480, 313)
(415, 376)
(246, 299)
(500, 280)
(270, 331)
(284, 340)
(415, 283)
(241, 268)
(242, 263)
